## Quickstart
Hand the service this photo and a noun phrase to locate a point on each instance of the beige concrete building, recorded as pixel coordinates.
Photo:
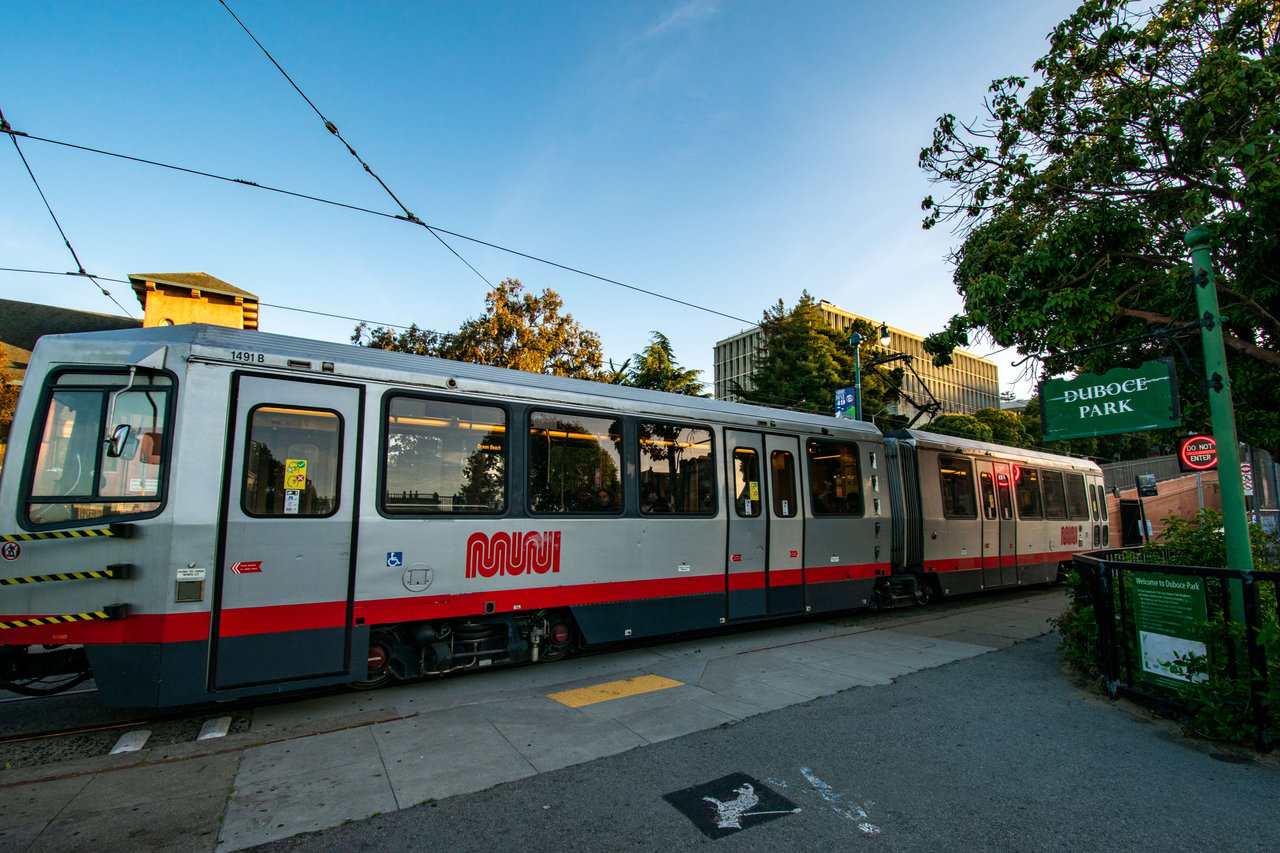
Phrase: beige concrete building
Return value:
(967, 384)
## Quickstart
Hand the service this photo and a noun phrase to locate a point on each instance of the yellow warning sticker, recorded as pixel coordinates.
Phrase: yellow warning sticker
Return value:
(613, 690)
(755, 490)
(295, 474)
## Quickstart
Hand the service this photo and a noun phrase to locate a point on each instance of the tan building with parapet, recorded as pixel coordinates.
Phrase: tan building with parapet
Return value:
(176, 298)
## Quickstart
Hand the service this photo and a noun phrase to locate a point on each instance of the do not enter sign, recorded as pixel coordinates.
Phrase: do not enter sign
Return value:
(1198, 453)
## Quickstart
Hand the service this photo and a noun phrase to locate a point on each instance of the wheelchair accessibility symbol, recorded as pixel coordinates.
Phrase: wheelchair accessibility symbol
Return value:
(395, 559)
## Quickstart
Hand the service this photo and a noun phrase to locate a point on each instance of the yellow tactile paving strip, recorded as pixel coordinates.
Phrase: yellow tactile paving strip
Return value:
(613, 690)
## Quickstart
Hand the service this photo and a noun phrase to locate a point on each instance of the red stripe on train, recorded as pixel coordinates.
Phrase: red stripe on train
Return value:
(188, 627)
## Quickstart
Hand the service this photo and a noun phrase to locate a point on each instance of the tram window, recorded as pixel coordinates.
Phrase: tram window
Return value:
(1077, 503)
(292, 457)
(988, 495)
(955, 478)
(1055, 499)
(1102, 501)
(443, 457)
(1026, 488)
(78, 476)
(575, 463)
(1093, 502)
(835, 478)
(677, 470)
(1006, 504)
(746, 482)
(783, 484)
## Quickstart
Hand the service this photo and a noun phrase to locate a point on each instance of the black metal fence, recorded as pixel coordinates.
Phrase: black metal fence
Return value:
(1222, 671)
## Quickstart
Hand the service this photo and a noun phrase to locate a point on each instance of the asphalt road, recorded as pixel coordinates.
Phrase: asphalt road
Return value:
(1002, 752)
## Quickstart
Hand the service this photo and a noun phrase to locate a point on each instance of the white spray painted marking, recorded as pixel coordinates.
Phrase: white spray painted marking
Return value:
(846, 808)
(729, 813)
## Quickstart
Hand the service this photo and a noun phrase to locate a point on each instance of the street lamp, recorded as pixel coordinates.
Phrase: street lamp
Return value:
(855, 341)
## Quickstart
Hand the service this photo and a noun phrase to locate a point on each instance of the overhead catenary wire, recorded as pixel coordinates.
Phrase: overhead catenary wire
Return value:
(370, 212)
(333, 128)
(4, 125)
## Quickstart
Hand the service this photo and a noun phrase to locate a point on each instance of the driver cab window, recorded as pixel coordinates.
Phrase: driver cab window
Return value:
(101, 450)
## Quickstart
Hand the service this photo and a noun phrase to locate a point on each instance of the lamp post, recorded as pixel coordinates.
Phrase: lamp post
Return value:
(855, 341)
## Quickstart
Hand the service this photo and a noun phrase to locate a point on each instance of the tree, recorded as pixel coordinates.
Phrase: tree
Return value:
(519, 331)
(1006, 427)
(963, 426)
(805, 361)
(8, 400)
(656, 368)
(1075, 198)
(414, 340)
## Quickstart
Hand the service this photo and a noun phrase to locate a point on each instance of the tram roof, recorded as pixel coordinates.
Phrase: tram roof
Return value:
(217, 343)
(972, 447)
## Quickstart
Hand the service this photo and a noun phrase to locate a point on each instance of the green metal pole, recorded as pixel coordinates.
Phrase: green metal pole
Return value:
(855, 341)
(1234, 520)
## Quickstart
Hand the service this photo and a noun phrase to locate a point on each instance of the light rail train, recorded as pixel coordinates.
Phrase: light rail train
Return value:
(197, 513)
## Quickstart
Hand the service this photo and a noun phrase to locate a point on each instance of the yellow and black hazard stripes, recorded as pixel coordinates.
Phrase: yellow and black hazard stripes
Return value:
(37, 621)
(122, 531)
(116, 572)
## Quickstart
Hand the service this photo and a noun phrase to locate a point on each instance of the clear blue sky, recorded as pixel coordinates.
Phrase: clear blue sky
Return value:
(728, 154)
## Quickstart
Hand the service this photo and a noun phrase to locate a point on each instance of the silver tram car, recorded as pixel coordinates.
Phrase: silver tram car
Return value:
(195, 513)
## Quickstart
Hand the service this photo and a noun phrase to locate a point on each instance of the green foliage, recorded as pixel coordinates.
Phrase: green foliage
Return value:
(1216, 696)
(518, 330)
(1006, 427)
(656, 368)
(963, 426)
(805, 361)
(1202, 541)
(1077, 195)
(8, 399)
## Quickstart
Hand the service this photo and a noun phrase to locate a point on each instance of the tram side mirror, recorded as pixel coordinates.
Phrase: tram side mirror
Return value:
(122, 444)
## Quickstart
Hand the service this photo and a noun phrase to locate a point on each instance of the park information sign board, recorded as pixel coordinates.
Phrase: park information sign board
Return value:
(1170, 615)
(1120, 400)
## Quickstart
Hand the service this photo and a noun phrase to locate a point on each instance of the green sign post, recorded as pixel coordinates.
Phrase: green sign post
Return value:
(1120, 400)
(1170, 614)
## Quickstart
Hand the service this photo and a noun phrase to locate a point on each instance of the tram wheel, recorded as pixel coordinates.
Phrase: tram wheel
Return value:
(560, 637)
(379, 664)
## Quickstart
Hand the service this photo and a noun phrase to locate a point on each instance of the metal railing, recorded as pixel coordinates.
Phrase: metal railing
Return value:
(1240, 631)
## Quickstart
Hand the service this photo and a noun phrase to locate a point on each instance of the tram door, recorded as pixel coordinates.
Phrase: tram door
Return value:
(1006, 530)
(763, 572)
(746, 569)
(283, 600)
(785, 574)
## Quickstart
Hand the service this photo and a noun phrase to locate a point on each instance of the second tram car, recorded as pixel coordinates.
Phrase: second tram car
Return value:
(201, 513)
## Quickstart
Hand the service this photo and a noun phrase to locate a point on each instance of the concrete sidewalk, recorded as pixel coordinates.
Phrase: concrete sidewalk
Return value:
(315, 764)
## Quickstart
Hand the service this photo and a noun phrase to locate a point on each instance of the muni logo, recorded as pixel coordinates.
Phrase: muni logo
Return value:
(513, 554)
